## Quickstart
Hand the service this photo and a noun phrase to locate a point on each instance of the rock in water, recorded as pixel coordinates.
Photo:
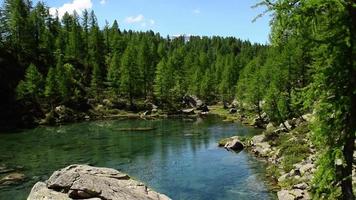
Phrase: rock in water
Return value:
(87, 182)
(235, 145)
(12, 178)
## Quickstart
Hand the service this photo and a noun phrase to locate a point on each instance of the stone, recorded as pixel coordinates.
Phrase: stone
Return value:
(87, 182)
(192, 101)
(270, 127)
(258, 139)
(286, 125)
(298, 193)
(203, 108)
(301, 186)
(284, 195)
(283, 177)
(12, 178)
(306, 168)
(41, 192)
(257, 122)
(226, 105)
(235, 145)
(308, 117)
(234, 104)
(232, 111)
(146, 113)
(189, 111)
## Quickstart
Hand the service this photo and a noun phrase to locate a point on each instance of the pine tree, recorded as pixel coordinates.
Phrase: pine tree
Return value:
(328, 27)
(51, 84)
(130, 83)
(18, 28)
(31, 87)
(113, 76)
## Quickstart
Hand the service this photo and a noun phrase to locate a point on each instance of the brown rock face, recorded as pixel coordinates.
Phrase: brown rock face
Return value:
(86, 182)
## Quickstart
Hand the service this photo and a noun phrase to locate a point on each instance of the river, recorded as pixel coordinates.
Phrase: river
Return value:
(179, 158)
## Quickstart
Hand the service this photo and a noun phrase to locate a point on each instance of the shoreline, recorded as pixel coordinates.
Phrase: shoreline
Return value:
(288, 153)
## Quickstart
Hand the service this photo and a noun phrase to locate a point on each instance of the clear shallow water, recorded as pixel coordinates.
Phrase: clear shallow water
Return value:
(179, 158)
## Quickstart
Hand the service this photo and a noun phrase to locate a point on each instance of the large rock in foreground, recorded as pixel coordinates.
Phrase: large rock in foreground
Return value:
(95, 183)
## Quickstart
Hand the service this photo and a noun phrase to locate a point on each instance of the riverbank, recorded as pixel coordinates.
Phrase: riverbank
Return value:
(287, 148)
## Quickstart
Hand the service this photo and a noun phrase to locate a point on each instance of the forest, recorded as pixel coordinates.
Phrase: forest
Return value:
(308, 66)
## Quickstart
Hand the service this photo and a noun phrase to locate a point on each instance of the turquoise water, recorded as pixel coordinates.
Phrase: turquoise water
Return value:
(179, 158)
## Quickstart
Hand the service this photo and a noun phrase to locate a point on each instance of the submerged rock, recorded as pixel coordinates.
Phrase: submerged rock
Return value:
(87, 182)
(12, 178)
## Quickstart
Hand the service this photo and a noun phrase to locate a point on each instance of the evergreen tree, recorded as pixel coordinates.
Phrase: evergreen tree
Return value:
(130, 83)
(31, 87)
(51, 84)
(114, 74)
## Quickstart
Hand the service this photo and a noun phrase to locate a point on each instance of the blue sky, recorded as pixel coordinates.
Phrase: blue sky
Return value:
(174, 17)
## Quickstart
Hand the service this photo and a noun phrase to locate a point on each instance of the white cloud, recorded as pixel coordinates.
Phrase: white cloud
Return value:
(141, 20)
(75, 5)
(196, 11)
(131, 20)
(102, 2)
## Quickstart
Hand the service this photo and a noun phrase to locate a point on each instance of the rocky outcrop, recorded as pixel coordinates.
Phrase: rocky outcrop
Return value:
(87, 182)
(194, 102)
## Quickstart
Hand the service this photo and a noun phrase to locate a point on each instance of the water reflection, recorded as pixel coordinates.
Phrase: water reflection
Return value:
(178, 158)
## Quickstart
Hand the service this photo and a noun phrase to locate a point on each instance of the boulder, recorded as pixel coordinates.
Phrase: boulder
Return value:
(270, 127)
(284, 195)
(41, 192)
(306, 168)
(189, 111)
(12, 178)
(301, 186)
(285, 125)
(87, 182)
(226, 105)
(232, 111)
(192, 101)
(258, 122)
(234, 104)
(203, 108)
(146, 113)
(235, 145)
(258, 139)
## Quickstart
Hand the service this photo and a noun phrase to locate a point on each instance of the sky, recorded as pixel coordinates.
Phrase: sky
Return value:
(177, 17)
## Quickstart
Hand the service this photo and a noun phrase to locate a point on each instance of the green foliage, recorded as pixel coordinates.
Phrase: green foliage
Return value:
(130, 82)
(65, 77)
(31, 87)
(327, 27)
(51, 84)
(113, 76)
